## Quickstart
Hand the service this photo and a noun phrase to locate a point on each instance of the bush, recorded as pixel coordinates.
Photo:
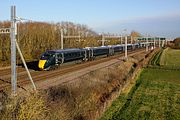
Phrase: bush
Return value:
(27, 107)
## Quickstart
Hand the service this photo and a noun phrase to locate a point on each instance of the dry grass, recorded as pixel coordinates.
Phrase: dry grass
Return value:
(86, 98)
(24, 107)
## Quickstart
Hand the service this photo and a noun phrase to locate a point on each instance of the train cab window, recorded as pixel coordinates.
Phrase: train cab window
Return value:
(46, 56)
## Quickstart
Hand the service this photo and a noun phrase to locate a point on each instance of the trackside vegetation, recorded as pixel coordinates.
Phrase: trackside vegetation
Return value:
(155, 94)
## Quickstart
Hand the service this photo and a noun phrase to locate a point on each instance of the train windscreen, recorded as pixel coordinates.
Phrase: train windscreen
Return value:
(46, 56)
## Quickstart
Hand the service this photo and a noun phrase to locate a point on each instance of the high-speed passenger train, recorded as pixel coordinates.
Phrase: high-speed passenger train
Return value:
(53, 58)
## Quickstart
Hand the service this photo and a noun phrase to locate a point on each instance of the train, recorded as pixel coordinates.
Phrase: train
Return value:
(52, 59)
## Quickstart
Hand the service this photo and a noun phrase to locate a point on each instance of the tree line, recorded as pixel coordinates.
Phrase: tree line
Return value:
(175, 44)
(36, 37)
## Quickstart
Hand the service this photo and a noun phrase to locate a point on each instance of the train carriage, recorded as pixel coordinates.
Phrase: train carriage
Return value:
(117, 48)
(97, 51)
(129, 46)
(53, 58)
(57, 57)
(136, 45)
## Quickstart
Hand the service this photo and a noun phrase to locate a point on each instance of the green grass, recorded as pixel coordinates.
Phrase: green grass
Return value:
(156, 95)
(170, 57)
(156, 58)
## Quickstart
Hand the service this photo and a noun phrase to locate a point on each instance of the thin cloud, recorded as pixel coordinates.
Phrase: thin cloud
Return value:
(163, 25)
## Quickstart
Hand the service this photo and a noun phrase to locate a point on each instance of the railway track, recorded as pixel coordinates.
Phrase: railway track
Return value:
(8, 71)
(22, 77)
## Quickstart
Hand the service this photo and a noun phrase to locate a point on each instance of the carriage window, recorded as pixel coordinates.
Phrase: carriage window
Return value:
(65, 55)
(76, 54)
(59, 55)
(73, 54)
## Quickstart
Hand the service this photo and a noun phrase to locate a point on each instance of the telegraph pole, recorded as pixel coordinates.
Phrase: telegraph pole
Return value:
(154, 43)
(62, 42)
(131, 39)
(146, 44)
(79, 37)
(13, 32)
(121, 39)
(13, 50)
(162, 45)
(103, 39)
(166, 42)
(126, 47)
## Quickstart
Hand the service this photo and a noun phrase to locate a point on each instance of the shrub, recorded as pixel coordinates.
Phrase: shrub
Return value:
(27, 107)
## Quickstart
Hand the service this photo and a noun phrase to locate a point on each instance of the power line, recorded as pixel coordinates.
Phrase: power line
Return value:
(73, 36)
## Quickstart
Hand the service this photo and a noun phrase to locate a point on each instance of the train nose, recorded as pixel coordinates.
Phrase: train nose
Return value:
(41, 64)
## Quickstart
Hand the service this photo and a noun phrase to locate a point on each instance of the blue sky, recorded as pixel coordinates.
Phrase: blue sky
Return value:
(153, 17)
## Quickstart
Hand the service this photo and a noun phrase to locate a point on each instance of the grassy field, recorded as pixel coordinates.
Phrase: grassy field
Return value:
(155, 95)
(170, 57)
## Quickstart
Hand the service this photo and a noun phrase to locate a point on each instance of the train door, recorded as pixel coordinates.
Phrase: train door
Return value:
(59, 58)
(56, 59)
(62, 58)
(85, 55)
(92, 53)
(111, 51)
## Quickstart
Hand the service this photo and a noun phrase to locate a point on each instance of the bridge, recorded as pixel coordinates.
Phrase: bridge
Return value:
(151, 38)
(160, 41)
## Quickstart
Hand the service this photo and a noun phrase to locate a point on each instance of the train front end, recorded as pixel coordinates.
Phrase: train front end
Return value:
(46, 61)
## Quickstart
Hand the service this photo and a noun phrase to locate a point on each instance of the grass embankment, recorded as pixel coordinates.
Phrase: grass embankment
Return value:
(156, 58)
(170, 57)
(156, 94)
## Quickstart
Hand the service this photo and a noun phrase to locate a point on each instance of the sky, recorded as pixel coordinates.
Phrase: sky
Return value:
(148, 17)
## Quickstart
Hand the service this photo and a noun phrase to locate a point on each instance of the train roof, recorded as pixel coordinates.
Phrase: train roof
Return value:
(146, 42)
(87, 48)
(101, 47)
(65, 50)
(113, 46)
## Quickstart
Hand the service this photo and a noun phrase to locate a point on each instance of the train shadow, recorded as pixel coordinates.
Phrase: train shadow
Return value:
(33, 65)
